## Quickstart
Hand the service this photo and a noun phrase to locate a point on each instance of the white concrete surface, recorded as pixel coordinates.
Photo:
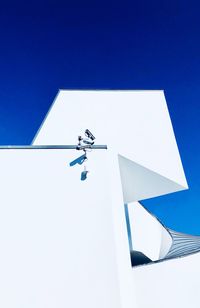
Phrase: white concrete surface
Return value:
(56, 232)
(173, 283)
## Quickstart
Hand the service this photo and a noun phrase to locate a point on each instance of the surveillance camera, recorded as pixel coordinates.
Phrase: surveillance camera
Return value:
(88, 141)
(89, 134)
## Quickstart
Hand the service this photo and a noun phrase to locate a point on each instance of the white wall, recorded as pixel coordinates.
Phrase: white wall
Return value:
(174, 283)
(56, 232)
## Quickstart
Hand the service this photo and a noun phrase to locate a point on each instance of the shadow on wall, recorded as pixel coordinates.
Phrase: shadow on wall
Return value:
(138, 258)
(79, 160)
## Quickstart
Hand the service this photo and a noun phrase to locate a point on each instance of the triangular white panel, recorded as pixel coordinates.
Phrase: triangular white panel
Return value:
(140, 183)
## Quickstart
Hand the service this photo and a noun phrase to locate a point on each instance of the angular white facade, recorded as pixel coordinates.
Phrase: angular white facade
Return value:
(64, 241)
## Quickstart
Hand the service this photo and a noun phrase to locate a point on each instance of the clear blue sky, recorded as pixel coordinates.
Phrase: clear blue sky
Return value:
(48, 45)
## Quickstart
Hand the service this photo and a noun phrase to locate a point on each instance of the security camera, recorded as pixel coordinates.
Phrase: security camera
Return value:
(88, 134)
(88, 141)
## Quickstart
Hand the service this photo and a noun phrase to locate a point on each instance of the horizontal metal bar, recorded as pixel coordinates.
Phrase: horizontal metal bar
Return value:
(51, 147)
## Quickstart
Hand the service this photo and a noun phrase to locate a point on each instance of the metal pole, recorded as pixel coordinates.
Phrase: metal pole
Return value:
(51, 147)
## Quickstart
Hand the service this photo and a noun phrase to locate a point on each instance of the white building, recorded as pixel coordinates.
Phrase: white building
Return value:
(66, 242)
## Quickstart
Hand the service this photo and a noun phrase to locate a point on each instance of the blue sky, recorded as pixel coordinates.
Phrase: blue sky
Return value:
(49, 45)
